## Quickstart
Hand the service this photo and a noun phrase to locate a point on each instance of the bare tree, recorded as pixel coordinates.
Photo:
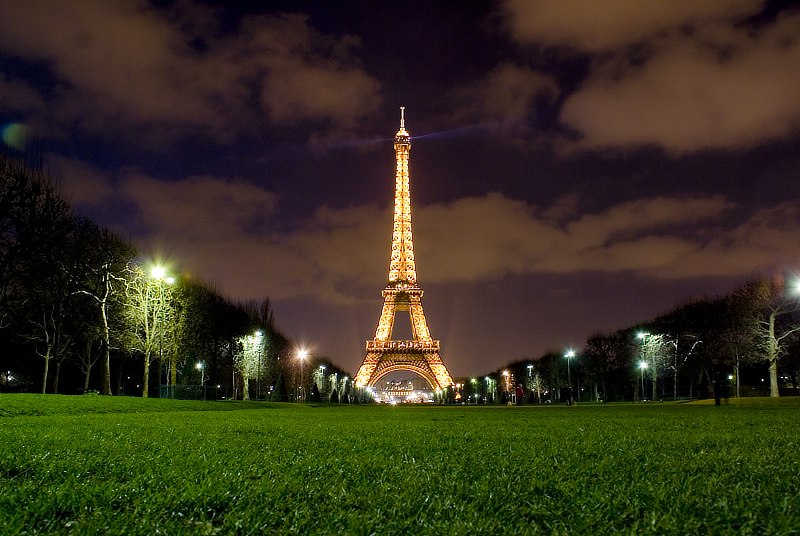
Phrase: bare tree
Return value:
(107, 263)
(149, 310)
(739, 332)
(777, 330)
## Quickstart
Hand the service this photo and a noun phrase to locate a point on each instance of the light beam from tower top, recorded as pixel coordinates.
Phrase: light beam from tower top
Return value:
(402, 136)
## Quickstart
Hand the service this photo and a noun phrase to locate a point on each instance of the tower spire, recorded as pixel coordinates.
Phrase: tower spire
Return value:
(402, 269)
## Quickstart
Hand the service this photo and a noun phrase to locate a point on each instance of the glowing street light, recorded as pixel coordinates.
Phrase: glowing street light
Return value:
(202, 368)
(156, 299)
(302, 354)
(569, 355)
(642, 336)
(159, 273)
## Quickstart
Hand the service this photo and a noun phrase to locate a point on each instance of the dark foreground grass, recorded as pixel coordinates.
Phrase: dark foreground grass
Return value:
(94, 465)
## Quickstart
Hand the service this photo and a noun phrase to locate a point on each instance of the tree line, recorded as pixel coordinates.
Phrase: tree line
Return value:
(745, 343)
(81, 310)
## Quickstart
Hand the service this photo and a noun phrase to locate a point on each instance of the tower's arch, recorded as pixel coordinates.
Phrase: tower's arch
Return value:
(398, 367)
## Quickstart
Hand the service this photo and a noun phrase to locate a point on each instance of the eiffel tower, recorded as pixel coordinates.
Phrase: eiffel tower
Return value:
(384, 354)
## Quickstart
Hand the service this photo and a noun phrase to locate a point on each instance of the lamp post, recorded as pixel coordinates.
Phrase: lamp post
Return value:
(643, 336)
(258, 337)
(301, 355)
(530, 378)
(642, 366)
(569, 355)
(201, 366)
(158, 274)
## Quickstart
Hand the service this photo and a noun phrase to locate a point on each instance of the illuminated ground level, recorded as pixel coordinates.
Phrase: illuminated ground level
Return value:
(403, 387)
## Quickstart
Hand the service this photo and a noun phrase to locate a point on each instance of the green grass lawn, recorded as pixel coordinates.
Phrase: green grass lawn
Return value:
(86, 465)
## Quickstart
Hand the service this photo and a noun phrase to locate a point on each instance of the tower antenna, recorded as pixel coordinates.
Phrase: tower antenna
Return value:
(402, 117)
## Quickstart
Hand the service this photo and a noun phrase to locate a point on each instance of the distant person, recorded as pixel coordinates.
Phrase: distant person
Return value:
(568, 395)
(520, 392)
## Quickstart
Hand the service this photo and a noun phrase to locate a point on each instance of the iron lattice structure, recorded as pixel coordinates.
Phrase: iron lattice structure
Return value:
(421, 354)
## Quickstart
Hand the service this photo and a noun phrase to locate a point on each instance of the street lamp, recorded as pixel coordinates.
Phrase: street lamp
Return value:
(201, 366)
(159, 275)
(302, 353)
(569, 355)
(258, 336)
(642, 366)
(642, 336)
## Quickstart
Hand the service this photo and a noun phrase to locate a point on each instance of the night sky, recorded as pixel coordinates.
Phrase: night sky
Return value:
(577, 166)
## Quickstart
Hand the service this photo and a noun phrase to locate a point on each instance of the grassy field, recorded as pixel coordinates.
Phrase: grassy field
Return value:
(96, 465)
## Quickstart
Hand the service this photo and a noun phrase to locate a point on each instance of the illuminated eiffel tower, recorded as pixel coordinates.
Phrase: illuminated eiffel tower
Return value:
(420, 355)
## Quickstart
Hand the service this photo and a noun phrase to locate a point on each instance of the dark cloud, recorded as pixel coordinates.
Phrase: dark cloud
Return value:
(504, 99)
(601, 26)
(123, 65)
(721, 88)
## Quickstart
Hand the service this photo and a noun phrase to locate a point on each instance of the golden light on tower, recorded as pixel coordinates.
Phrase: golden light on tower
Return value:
(402, 293)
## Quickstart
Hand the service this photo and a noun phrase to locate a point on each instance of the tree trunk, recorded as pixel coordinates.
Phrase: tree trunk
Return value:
(46, 370)
(245, 387)
(105, 371)
(675, 384)
(773, 379)
(173, 371)
(772, 357)
(233, 381)
(105, 366)
(88, 363)
(58, 374)
(146, 378)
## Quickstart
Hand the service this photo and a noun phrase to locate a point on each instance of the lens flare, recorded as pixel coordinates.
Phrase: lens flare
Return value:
(16, 135)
